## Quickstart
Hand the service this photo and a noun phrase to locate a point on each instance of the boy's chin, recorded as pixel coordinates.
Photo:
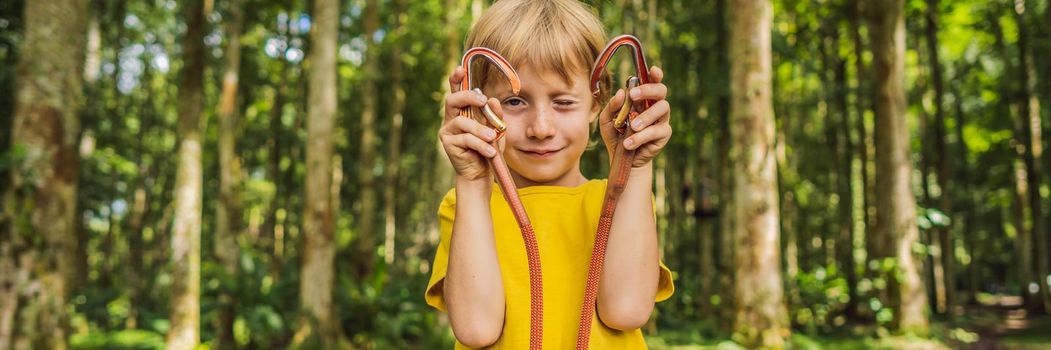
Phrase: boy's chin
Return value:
(540, 175)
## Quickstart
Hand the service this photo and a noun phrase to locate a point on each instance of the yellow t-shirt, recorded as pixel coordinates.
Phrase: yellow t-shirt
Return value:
(565, 220)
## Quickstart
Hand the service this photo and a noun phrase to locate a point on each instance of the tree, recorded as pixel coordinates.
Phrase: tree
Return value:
(366, 181)
(864, 144)
(1028, 106)
(896, 228)
(397, 104)
(945, 241)
(760, 318)
(844, 171)
(228, 212)
(725, 258)
(37, 235)
(186, 232)
(1007, 103)
(319, 325)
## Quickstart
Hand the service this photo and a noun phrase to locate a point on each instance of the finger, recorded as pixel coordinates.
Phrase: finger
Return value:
(645, 153)
(471, 142)
(456, 101)
(606, 116)
(656, 74)
(651, 91)
(469, 126)
(456, 79)
(658, 134)
(656, 113)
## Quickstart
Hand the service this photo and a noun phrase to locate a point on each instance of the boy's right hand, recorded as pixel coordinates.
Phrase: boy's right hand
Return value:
(467, 142)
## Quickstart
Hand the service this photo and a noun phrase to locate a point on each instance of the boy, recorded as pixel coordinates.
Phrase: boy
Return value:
(480, 274)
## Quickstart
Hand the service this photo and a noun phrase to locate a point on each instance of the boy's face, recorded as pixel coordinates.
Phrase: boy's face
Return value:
(547, 127)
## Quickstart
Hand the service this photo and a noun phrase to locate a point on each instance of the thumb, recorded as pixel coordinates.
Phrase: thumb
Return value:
(494, 104)
(606, 116)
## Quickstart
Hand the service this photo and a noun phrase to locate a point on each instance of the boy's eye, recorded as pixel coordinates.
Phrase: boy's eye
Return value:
(565, 103)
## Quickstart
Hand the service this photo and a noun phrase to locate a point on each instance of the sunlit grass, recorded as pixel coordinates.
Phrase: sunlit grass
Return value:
(120, 340)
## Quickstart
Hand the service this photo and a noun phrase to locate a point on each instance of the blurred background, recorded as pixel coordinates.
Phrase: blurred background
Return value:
(264, 174)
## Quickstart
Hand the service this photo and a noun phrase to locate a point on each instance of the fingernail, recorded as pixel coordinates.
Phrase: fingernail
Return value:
(637, 124)
(491, 151)
(635, 93)
(481, 98)
(490, 133)
(629, 142)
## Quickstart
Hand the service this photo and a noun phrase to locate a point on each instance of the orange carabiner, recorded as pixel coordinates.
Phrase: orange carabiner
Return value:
(505, 67)
(642, 75)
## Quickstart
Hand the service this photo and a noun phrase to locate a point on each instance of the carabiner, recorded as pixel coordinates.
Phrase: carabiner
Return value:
(641, 70)
(505, 67)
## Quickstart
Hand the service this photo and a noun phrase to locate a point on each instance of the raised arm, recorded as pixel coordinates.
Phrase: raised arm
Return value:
(630, 274)
(474, 292)
(473, 289)
(631, 271)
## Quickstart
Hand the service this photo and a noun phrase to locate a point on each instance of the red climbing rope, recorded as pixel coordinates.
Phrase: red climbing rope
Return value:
(619, 170)
(510, 191)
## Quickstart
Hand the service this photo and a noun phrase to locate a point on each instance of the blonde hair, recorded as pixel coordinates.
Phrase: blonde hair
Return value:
(564, 36)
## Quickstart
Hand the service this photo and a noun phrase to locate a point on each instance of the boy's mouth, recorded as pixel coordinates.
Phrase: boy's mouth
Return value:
(541, 153)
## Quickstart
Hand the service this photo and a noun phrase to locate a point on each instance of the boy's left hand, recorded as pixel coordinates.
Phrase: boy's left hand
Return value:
(652, 127)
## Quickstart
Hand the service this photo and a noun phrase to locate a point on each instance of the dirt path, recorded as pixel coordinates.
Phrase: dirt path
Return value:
(1004, 324)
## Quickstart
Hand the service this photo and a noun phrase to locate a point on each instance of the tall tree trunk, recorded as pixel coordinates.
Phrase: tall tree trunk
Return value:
(844, 170)
(38, 242)
(933, 273)
(274, 227)
(228, 214)
(725, 255)
(443, 172)
(135, 284)
(1029, 110)
(184, 333)
(760, 318)
(1023, 249)
(397, 104)
(1046, 246)
(107, 245)
(895, 207)
(319, 325)
(92, 89)
(277, 226)
(1006, 105)
(966, 206)
(945, 241)
(861, 94)
(837, 131)
(366, 180)
(932, 267)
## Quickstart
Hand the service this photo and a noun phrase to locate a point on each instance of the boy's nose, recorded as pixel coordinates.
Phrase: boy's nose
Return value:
(541, 125)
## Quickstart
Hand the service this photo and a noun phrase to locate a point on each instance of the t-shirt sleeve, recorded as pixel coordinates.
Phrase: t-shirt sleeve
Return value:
(434, 295)
(665, 284)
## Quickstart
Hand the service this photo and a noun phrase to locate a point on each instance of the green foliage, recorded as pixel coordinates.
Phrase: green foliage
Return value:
(928, 218)
(12, 157)
(823, 297)
(128, 145)
(119, 340)
(393, 315)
